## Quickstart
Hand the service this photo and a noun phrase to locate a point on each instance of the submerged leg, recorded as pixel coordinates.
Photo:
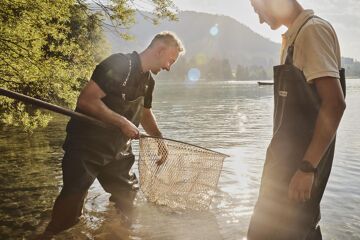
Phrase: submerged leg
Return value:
(66, 212)
(68, 205)
(116, 180)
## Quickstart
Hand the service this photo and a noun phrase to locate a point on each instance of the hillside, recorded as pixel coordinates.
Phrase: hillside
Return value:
(206, 36)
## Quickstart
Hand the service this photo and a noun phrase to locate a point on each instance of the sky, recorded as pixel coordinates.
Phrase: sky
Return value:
(344, 15)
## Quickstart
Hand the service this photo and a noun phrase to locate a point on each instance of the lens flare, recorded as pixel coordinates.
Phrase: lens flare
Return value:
(194, 74)
(200, 59)
(214, 30)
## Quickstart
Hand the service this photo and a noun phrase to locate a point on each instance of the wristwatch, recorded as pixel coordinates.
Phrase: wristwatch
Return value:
(307, 167)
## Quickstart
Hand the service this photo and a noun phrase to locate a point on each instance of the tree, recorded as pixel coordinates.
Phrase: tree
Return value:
(226, 70)
(48, 49)
(213, 69)
(178, 71)
(257, 73)
(242, 73)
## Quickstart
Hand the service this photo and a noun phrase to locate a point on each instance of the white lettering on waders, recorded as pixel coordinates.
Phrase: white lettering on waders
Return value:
(283, 93)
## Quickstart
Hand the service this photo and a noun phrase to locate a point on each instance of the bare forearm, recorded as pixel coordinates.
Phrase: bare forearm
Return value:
(148, 122)
(325, 130)
(90, 103)
(97, 109)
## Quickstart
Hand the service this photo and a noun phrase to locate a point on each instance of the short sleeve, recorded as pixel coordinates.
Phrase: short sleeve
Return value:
(318, 49)
(111, 73)
(149, 93)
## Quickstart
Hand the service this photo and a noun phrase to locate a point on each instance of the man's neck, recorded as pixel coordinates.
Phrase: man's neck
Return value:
(144, 60)
(297, 10)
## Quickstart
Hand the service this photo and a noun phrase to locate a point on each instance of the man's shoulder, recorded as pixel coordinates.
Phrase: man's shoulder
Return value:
(317, 53)
(316, 30)
(112, 69)
(116, 59)
(317, 24)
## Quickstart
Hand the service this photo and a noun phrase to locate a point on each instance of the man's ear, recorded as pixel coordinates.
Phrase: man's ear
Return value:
(161, 48)
(160, 51)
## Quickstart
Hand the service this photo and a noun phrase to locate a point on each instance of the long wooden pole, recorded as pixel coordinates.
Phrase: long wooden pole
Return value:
(70, 113)
(54, 108)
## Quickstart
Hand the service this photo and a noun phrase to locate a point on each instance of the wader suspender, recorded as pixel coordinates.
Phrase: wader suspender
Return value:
(290, 53)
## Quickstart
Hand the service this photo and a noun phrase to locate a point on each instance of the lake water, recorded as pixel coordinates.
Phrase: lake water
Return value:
(231, 117)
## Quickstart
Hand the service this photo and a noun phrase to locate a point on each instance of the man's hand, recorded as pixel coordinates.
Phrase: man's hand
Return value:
(300, 186)
(130, 130)
(162, 151)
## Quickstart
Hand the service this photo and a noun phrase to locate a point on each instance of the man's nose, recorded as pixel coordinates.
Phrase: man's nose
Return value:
(167, 67)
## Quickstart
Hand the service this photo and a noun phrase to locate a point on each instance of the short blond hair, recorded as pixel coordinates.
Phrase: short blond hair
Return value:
(169, 39)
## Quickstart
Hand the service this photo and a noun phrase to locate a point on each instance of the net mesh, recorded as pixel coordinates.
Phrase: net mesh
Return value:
(187, 177)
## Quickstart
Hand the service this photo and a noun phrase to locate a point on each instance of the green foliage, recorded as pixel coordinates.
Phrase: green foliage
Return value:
(49, 48)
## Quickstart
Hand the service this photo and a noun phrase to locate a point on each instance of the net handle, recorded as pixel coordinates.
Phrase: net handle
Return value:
(54, 108)
(143, 135)
(77, 115)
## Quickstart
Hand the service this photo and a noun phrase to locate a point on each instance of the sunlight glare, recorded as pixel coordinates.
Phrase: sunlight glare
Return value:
(194, 74)
(214, 30)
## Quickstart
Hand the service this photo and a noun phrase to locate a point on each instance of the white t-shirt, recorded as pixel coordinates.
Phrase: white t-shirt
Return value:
(317, 50)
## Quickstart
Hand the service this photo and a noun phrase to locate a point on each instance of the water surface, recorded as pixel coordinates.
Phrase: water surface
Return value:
(232, 117)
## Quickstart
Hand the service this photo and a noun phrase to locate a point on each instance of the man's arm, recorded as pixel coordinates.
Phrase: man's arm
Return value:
(89, 102)
(331, 110)
(148, 122)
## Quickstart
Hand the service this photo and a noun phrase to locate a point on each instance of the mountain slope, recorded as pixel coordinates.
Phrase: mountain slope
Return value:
(233, 40)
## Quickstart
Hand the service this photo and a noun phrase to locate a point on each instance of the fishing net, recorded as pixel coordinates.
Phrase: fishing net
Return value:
(187, 178)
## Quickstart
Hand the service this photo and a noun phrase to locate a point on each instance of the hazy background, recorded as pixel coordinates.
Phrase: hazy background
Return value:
(225, 41)
(343, 14)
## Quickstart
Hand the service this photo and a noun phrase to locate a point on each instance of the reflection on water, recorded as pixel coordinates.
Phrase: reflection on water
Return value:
(231, 117)
(29, 176)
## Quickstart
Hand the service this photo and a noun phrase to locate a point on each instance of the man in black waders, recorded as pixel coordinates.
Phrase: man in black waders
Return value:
(309, 94)
(119, 93)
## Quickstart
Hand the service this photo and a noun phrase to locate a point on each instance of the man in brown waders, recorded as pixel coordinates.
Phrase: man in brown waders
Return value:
(309, 94)
(119, 93)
